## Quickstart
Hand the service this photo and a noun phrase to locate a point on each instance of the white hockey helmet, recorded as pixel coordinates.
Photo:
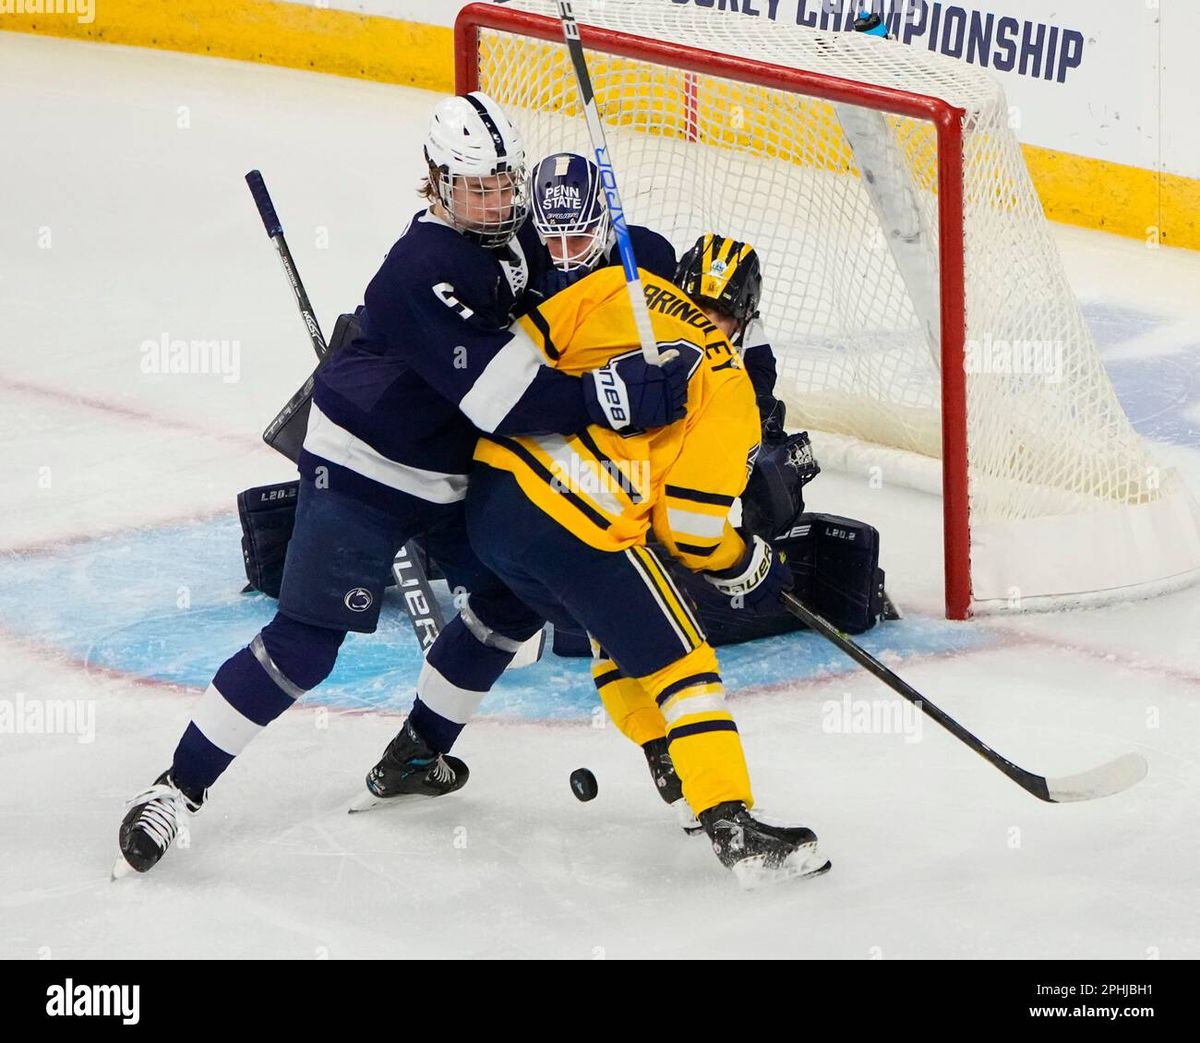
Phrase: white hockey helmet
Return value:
(477, 168)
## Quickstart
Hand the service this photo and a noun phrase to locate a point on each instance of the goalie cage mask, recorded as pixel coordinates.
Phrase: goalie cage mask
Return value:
(568, 201)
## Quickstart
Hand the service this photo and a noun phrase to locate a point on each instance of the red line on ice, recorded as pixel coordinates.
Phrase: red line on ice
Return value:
(126, 412)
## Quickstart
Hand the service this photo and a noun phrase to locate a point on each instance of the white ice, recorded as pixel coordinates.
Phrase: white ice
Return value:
(124, 217)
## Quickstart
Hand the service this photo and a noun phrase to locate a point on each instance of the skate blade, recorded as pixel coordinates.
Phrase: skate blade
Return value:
(368, 801)
(122, 869)
(752, 874)
(686, 818)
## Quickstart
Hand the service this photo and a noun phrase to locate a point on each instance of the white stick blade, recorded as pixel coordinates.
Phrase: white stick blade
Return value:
(529, 652)
(1104, 781)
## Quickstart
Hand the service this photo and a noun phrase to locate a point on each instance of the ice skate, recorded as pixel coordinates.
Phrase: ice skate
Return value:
(761, 854)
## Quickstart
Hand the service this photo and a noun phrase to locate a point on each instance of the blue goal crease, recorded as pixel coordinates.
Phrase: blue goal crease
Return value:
(166, 604)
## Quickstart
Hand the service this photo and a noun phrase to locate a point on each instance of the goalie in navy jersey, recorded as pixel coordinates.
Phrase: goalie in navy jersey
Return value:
(393, 424)
(571, 217)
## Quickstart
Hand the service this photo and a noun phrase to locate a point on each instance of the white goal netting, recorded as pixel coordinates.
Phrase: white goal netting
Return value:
(841, 199)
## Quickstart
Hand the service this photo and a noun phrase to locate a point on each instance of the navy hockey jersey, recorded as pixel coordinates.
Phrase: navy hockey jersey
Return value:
(399, 409)
(759, 359)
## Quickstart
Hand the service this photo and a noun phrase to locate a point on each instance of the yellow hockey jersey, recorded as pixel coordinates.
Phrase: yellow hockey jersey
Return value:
(609, 489)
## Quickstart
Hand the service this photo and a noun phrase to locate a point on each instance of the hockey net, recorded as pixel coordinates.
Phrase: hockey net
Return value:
(923, 324)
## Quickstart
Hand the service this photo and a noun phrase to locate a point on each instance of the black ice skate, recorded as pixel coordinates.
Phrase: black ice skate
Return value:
(410, 768)
(669, 785)
(153, 819)
(760, 853)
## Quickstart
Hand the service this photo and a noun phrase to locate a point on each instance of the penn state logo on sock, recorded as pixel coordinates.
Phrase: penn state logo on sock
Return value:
(358, 600)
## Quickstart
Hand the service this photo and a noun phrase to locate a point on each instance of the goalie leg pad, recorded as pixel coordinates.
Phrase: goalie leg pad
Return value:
(835, 563)
(268, 515)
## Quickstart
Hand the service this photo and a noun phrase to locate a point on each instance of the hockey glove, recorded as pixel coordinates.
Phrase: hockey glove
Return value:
(631, 395)
(774, 494)
(754, 584)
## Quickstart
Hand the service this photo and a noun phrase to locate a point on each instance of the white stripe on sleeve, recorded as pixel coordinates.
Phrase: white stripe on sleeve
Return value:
(690, 523)
(502, 383)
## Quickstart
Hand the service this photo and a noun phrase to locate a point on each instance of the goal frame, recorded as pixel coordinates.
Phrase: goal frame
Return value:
(947, 121)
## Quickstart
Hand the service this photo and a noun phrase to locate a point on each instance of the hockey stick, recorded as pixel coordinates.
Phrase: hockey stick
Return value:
(608, 178)
(274, 227)
(270, 220)
(422, 607)
(1107, 779)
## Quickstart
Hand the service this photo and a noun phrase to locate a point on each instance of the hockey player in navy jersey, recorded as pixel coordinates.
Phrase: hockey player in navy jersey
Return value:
(394, 422)
(723, 276)
(571, 218)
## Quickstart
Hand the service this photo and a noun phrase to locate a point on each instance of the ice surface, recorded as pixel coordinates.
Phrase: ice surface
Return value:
(125, 219)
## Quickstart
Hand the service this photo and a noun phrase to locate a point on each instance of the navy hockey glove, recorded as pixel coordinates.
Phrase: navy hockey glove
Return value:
(774, 494)
(754, 584)
(631, 395)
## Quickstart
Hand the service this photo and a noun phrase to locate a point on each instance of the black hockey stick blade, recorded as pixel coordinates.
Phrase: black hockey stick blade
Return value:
(1103, 781)
(286, 432)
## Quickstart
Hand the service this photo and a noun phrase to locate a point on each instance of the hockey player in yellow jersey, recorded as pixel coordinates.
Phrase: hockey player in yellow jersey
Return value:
(566, 522)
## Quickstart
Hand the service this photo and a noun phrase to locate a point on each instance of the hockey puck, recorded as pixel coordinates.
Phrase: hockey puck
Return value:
(583, 784)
